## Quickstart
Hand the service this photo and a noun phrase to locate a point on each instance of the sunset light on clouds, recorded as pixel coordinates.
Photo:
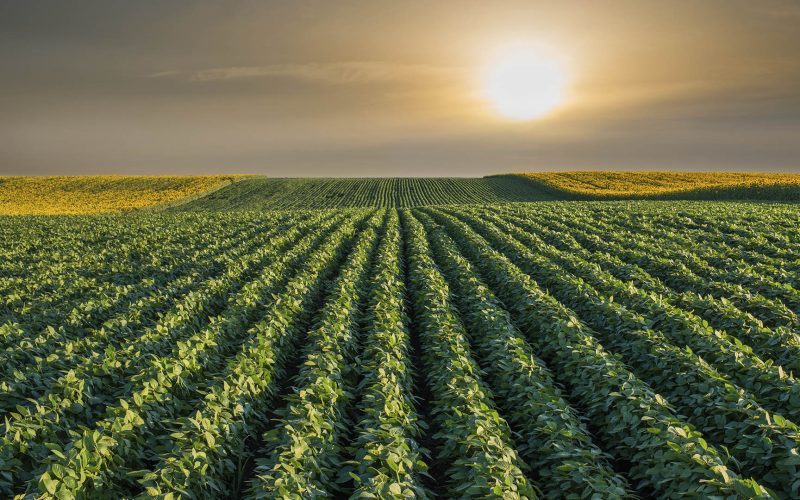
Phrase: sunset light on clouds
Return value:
(442, 88)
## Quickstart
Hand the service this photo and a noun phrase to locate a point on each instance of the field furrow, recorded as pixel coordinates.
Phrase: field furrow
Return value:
(168, 387)
(393, 338)
(82, 394)
(706, 396)
(473, 440)
(553, 441)
(304, 451)
(663, 455)
(386, 459)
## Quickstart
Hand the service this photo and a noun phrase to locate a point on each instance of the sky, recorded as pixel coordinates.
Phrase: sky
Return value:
(380, 88)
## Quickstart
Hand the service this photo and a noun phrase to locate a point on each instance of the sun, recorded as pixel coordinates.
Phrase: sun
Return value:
(525, 84)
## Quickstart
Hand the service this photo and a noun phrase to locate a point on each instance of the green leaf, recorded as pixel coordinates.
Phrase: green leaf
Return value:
(48, 484)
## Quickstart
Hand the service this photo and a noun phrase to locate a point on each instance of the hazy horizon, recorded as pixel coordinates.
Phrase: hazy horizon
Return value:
(373, 89)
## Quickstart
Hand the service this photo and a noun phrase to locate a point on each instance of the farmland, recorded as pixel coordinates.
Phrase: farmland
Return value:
(86, 195)
(666, 185)
(93, 194)
(281, 194)
(517, 350)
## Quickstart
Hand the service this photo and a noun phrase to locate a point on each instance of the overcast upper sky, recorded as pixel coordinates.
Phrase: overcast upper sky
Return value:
(392, 88)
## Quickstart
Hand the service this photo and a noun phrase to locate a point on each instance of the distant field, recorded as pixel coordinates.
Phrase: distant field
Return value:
(260, 193)
(668, 185)
(100, 194)
(86, 195)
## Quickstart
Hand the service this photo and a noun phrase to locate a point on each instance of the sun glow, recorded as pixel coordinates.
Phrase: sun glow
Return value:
(525, 84)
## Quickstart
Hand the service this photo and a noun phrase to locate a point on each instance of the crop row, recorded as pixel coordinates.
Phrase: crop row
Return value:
(513, 351)
(281, 194)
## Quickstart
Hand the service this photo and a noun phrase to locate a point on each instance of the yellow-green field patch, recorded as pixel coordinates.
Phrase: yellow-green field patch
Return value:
(96, 194)
(611, 184)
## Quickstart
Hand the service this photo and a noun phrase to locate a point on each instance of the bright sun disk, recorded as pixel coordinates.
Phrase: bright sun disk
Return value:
(524, 85)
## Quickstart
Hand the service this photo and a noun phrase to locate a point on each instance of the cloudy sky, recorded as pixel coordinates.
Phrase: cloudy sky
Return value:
(374, 88)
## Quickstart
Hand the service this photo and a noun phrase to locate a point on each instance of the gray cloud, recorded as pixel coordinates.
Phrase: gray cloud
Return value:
(377, 88)
(333, 73)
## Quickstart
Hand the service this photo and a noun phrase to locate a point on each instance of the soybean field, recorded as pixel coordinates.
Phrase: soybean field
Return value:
(96, 194)
(618, 185)
(521, 350)
(262, 193)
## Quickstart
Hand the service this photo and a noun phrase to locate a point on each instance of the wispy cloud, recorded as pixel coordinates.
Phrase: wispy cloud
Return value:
(780, 8)
(331, 73)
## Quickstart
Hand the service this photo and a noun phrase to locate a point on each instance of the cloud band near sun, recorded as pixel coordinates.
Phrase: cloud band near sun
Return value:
(333, 73)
